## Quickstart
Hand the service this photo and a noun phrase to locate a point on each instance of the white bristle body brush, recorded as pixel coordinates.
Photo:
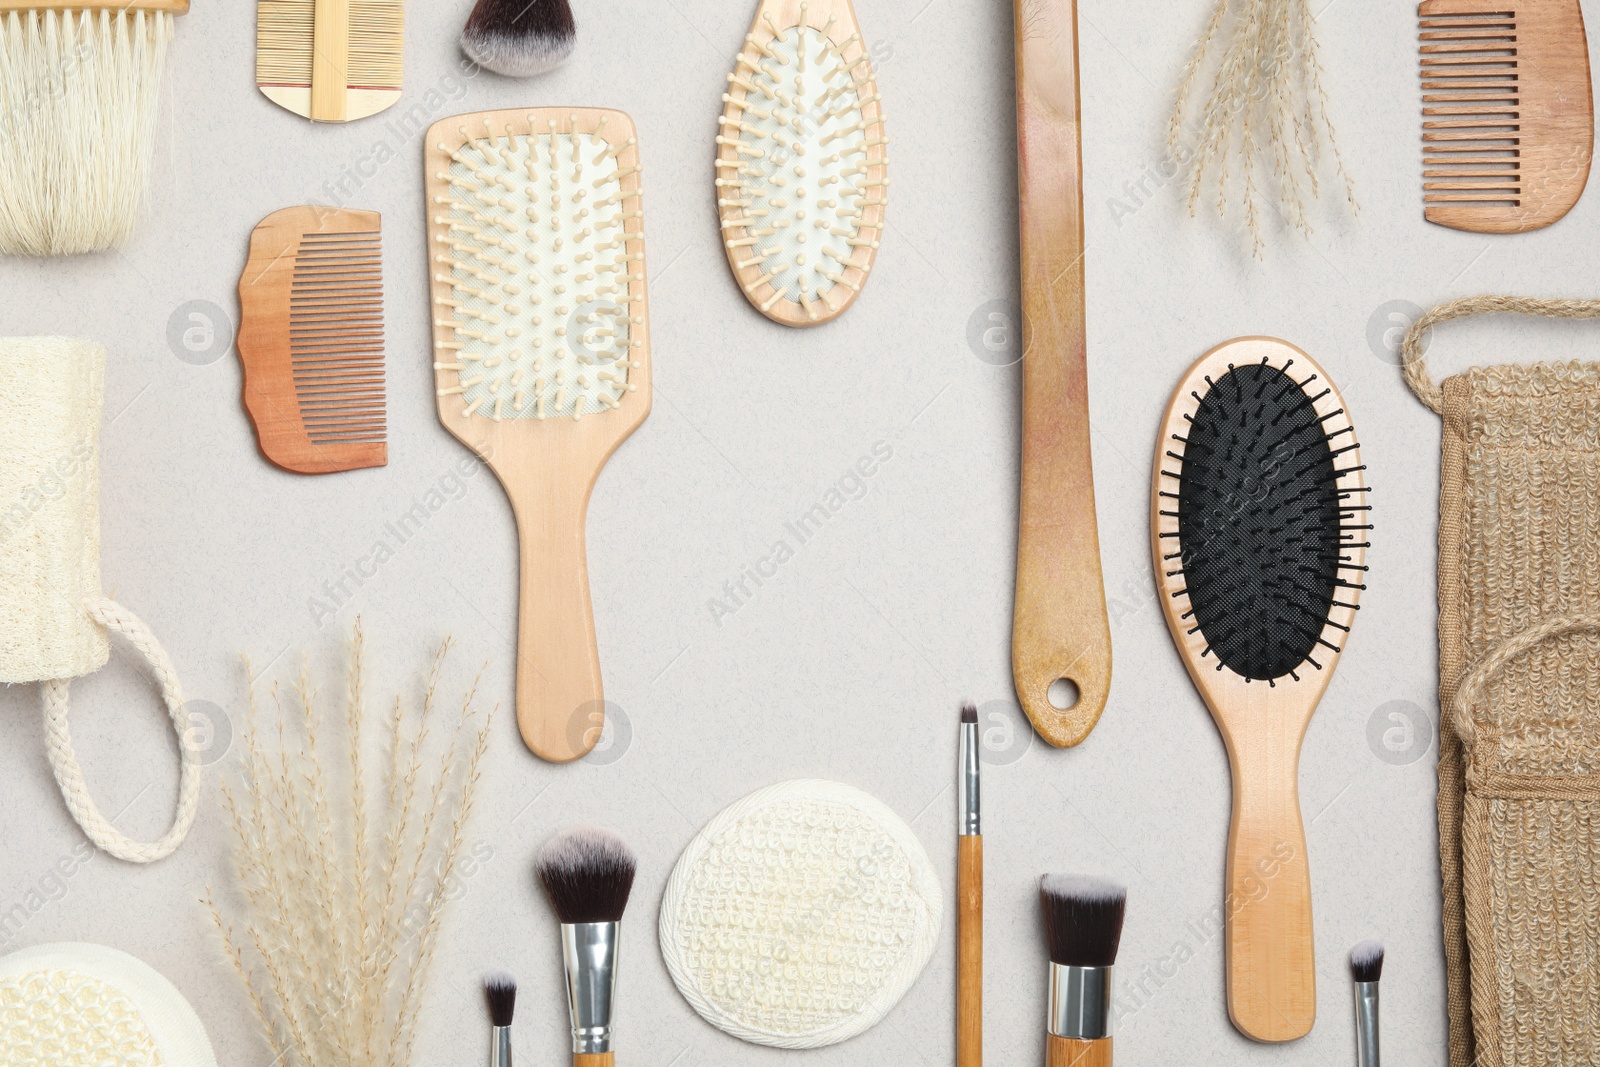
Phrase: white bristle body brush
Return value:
(1083, 928)
(802, 162)
(79, 94)
(1366, 967)
(588, 874)
(520, 38)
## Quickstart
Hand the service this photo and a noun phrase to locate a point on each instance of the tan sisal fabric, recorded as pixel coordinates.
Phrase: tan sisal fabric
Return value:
(1519, 667)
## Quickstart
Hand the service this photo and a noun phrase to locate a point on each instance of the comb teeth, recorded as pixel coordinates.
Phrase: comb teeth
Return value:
(285, 30)
(1472, 100)
(336, 337)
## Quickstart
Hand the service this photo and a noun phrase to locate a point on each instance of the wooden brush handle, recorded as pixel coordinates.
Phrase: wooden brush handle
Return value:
(1065, 1052)
(594, 1059)
(1272, 981)
(1060, 628)
(560, 704)
(969, 951)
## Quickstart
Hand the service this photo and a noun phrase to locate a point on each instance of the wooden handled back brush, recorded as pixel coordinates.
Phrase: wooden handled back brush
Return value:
(79, 89)
(1259, 532)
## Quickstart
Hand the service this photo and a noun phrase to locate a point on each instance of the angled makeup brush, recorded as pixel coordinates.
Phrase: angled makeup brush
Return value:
(588, 874)
(520, 38)
(500, 989)
(1083, 927)
(969, 890)
(1366, 966)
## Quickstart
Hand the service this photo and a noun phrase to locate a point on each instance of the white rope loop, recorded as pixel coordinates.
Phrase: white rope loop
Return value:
(63, 761)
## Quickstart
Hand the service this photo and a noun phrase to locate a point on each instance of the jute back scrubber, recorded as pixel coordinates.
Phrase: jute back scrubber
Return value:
(1519, 693)
(53, 616)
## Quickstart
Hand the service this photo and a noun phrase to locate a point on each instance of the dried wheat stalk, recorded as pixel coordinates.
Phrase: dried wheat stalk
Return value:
(1266, 114)
(343, 879)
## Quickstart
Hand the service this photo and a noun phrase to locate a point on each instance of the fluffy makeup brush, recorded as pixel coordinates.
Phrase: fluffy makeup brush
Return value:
(1082, 926)
(1366, 967)
(588, 873)
(969, 916)
(520, 38)
(500, 989)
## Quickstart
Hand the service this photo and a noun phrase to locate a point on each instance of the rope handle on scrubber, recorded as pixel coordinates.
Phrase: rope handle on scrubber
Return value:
(1470, 691)
(58, 742)
(1411, 355)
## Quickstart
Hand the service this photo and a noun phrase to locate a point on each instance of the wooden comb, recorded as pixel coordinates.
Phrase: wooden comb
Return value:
(1508, 114)
(542, 361)
(330, 60)
(311, 339)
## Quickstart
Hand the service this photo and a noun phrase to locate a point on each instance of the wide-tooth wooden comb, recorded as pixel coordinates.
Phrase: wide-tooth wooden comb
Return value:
(311, 339)
(542, 361)
(802, 162)
(330, 60)
(1508, 113)
(1060, 630)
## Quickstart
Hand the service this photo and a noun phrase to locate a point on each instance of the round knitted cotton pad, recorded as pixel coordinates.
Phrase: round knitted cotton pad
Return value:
(800, 915)
(75, 1005)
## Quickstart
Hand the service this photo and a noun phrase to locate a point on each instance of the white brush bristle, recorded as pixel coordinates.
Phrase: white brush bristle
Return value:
(517, 57)
(801, 169)
(79, 93)
(547, 303)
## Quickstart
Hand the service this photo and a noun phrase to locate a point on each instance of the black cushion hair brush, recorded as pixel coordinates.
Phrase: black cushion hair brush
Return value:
(1259, 531)
(520, 38)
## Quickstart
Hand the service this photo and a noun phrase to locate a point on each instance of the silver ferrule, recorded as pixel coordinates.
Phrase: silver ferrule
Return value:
(589, 953)
(1080, 1002)
(967, 802)
(500, 1048)
(1366, 1024)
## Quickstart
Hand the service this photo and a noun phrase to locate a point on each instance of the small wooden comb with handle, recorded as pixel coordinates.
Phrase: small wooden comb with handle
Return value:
(1508, 113)
(311, 339)
(1060, 630)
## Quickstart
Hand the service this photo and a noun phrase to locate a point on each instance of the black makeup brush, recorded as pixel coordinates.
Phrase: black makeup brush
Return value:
(520, 38)
(500, 989)
(1082, 926)
(588, 874)
(1366, 967)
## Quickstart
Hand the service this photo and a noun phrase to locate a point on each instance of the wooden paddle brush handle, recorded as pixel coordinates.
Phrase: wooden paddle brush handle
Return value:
(1065, 1052)
(593, 1059)
(969, 951)
(1272, 990)
(560, 702)
(1060, 629)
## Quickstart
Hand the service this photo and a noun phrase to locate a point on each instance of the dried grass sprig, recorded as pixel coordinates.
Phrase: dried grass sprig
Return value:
(341, 910)
(1265, 116)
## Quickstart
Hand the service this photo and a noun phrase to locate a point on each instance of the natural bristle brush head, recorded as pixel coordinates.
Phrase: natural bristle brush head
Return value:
(588, 873)
(500, 990)
(1259, 522)
(520, 38)
(1366, 961)
(802, 162)
(1082, 919)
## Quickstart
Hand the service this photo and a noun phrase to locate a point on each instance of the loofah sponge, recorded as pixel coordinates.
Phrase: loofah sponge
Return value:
(800, 915)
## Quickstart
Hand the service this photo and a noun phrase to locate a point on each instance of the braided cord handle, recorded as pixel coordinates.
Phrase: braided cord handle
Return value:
(64, 762)
(1411, 355)
(1473, 682)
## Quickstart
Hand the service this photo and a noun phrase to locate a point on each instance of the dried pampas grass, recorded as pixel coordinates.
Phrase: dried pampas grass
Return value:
(1264, 128)
(343, 879)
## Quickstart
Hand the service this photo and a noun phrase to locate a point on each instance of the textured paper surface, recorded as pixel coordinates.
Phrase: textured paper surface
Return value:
(847, 495)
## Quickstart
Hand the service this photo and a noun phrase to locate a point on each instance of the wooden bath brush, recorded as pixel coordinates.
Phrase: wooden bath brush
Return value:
(1259, 530)
(802, 162)
(542, 360)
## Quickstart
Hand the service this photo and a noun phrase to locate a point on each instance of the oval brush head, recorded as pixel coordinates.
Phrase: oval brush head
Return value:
(802, 163)
(1259, 536)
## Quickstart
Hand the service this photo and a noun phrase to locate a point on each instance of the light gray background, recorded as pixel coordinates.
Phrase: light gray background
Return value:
(850, 663)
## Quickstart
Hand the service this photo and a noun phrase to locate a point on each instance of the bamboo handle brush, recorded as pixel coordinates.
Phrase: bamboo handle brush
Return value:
(1083, 930)
(969, 916)
(1060, 630)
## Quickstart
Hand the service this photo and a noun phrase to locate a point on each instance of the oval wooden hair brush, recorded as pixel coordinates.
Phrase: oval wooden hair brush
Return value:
(1259, 526)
